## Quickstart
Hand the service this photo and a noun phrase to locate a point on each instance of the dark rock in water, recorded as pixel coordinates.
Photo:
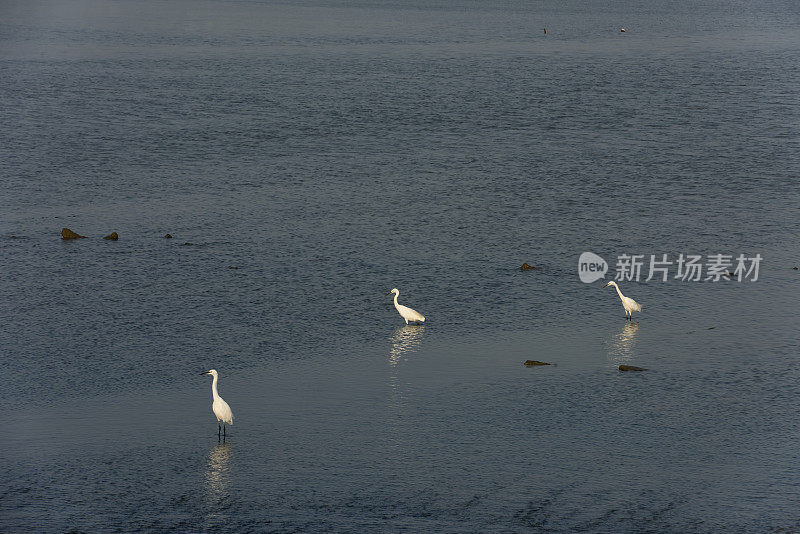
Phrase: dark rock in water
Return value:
(631, 368)
(168, 236)
(187, 244)
(526, 267)
(535, 362)
(232, 267)
(794, 268)
(66, 233)
(112, 236)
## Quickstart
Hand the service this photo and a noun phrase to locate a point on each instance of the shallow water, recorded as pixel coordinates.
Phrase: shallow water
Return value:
(309, 157)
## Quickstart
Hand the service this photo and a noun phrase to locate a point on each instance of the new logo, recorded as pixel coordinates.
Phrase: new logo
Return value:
(591, 267)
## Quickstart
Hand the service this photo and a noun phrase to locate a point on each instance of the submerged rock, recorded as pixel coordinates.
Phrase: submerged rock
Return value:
(168, 236)
(631, 368)
(112, 236)
(526, 267)
(66, 233)
(535, 362)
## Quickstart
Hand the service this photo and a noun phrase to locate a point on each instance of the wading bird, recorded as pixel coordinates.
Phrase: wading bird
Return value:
(628, 303)
(220, 408)
(405, 312)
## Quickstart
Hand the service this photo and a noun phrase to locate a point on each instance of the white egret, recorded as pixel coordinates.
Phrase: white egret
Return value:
(405, 312)
(220, 408)
(628, 303)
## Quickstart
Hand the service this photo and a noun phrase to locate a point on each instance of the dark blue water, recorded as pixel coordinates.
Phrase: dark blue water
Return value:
(307, 158)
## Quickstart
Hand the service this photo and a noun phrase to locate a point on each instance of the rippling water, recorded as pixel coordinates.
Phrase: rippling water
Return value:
(308, 157)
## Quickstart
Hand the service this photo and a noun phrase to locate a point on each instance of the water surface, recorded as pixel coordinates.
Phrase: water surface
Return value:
(307, 158)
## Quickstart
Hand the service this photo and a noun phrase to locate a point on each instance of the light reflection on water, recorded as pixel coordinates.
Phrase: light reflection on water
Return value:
(217, 481)
(406, 340)
(621, 348)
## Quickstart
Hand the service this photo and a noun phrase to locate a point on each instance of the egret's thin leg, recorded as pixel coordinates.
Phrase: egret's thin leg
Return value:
(219, 431)
(224, 431)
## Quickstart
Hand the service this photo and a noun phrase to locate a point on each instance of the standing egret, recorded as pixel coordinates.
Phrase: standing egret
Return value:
(220, 408)
(628, 303)
(405, 312)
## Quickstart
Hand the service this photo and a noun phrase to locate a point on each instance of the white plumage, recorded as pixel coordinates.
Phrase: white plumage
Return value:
(405, 312)
(220, 408)
(628, 303)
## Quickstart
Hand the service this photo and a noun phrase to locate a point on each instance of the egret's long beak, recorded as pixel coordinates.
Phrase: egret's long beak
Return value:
(389, 293)
(206, 373)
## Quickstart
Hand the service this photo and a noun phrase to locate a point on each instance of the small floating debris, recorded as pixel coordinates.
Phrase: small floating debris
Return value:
(526, 267)
(112, 236)
(622, 30)
(168, 236)
(535, 362)
(66, 233)
(711, 328)
(794, 268)
(631, 368)
(545, 30)
(187, 244)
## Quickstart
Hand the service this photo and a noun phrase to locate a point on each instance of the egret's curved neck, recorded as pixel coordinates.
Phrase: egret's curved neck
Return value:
(214, 389)
(615, 287)
(395, 298)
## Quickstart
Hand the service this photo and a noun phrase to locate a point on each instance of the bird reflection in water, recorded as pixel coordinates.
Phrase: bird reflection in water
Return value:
(621, 347)
(217, 481)
(406, 339)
